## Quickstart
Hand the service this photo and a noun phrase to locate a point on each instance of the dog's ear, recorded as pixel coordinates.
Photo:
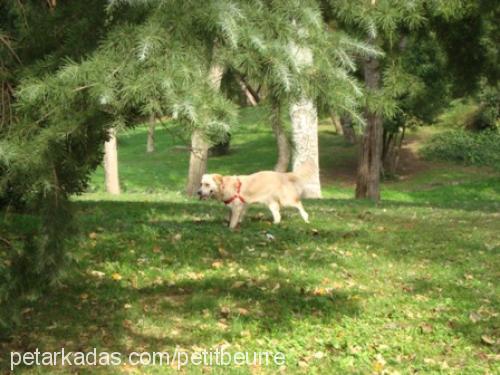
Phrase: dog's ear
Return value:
(218, 179)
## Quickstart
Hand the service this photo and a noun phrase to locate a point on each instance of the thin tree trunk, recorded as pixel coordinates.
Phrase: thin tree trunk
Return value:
(199, 145)
(248, 94)
(254, 93)
(150, 147)
(348, 129)
(392, 152)
(281, 138)
(111, 164)
(336, 122)
(370, 161)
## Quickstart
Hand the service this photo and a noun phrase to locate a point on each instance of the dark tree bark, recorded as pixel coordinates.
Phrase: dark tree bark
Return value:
(282, 143)
(393, 142)
(393, 137)
(370, 161)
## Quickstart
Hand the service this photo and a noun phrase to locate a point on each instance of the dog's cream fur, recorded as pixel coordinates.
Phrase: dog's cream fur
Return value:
(274, 189)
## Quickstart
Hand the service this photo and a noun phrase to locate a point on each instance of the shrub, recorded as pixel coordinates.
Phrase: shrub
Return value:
(465, 147)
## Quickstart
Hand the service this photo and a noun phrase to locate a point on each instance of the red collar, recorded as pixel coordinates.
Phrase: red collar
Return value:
(237, 195)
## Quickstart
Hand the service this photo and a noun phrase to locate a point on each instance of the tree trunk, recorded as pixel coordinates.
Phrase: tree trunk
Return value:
(305, 139)
(111, 164)
(348, 130)
(150, 147)
(199, 145)
(370, 161)
(393, 142)
(336, 122)
(281, 138)
(304, 118)
(251, 99)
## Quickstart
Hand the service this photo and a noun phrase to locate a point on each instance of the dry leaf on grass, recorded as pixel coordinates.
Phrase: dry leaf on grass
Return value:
(474, 317)
(225, 311)
(237, 284)
(426, 328)
(488, 340)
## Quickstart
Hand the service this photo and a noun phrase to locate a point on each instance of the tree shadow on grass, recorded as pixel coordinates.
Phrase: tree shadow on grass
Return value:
(463, 308)
(118, 315)
(84, 315)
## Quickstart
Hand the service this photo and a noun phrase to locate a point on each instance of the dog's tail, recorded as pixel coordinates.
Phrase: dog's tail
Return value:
(306, 170)
(302, 174)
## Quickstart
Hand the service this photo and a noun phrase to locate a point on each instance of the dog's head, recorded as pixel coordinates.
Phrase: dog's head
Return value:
(210, 186)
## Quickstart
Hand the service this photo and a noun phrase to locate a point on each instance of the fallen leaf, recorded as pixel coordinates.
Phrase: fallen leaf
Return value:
(303, 364)
(97, 274)
(242, 311)
(26, 310)
(245, 333)
(487, 340)
(222, 325)
(92, 235)
(222, 251)
(474, 317)
(426, 328)
(237, 284)
(217, 264)
(195, 275)
(225, 311)
(318, 355)
(270, 237)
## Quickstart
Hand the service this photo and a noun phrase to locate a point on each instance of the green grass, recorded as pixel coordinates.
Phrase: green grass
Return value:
(409, 285)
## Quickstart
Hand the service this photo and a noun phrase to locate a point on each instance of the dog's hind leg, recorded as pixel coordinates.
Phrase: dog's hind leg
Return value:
(302, 212)
(275, 210)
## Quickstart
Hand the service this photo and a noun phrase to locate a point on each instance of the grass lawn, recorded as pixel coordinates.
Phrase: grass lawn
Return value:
(408, 285)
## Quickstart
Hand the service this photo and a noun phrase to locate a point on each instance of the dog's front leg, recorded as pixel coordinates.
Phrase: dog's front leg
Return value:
(235, 215)
(229, 216)
(242, 214)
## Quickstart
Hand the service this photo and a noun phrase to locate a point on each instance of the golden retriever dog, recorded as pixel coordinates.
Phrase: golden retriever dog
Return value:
(274, 189)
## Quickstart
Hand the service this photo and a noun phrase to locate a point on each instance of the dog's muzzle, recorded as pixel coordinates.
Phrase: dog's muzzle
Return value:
(201, 195)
